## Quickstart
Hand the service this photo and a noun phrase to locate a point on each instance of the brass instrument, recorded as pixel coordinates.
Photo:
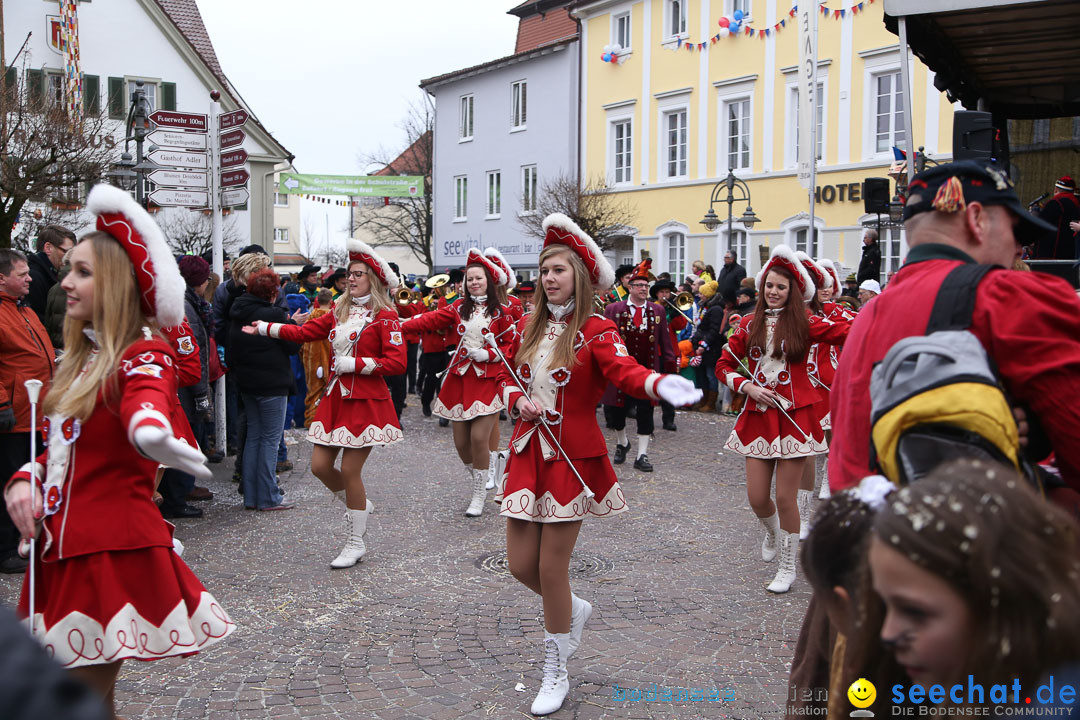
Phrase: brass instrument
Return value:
(437, 281)
(600, 303)
(403, 296)
(683, 302)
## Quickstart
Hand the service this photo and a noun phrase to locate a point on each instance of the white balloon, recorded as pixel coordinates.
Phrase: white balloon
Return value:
(616, 48)
(724, 32)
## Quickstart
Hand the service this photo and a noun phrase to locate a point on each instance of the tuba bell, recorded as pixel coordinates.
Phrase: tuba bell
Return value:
(403, 296)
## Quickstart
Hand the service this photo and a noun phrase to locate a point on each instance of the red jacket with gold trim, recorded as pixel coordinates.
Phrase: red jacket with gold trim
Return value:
(501, 325)
(823, 359)
(99, 487)
(792, 381)
(379, 349)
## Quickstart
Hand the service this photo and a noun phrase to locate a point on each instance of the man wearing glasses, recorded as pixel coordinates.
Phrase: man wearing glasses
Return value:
(643, 326)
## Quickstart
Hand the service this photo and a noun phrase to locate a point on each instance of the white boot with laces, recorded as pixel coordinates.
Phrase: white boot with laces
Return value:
(556, 683)
(805, 501)
(354, 549)
(785, 574)
(479, 493)
(580, 612)
(493, 467)
(772, 534)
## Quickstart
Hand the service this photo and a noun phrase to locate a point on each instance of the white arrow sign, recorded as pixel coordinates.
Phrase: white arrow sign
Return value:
(292, 184)
(234, 196)
(177, 158)
(180, 198)
(170, 138)
(179, 178)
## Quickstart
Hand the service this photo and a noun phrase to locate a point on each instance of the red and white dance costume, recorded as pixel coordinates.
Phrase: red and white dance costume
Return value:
(822, 359)
(109, 585)
(762, 431)
(538, 484)
(188, 372)
(356, 411)
(469, 388)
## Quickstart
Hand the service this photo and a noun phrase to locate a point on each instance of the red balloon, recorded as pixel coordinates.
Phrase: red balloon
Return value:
(724, 22)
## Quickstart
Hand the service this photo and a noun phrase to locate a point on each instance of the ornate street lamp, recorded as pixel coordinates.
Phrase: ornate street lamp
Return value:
(737, 191)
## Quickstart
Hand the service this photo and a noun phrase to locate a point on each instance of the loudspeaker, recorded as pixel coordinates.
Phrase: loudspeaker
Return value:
(976, 138)
(876, 196)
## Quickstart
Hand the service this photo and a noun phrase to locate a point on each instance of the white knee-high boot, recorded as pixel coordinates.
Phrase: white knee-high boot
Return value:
(356, 521)
(477, 478)
(772, 535)
(785, 574)
(825, 491)
(580, 612)
(340, 495)
(556, 683)
(493, 467)
(805, 501)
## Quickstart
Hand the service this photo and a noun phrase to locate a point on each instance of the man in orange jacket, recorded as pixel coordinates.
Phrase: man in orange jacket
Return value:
(25, 353)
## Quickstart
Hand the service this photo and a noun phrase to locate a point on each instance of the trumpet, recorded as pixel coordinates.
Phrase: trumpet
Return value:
(403, 296)
(683, 302)
(600, 303)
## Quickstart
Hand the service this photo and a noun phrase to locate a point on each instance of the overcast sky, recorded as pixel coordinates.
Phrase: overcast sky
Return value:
(332, 79)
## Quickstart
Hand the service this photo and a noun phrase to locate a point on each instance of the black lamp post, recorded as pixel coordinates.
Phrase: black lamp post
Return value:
(737, 191)
(130, 173)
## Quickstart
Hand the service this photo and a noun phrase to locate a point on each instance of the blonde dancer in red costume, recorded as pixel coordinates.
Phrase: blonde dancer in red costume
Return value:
(567, 356)
(108, 585)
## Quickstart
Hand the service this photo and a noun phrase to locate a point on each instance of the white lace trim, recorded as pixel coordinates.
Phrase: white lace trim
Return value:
(779, 448)
(369, 436)
(459, 412)
(524, 504)
(77, 639)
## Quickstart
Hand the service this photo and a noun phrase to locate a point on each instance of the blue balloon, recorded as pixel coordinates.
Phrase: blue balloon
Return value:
(607, 57)
(738, 15)
(734, 28)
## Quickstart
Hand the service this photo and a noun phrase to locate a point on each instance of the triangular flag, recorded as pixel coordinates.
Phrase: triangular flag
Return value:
(783, 23)
(679, 45)
(843, 12)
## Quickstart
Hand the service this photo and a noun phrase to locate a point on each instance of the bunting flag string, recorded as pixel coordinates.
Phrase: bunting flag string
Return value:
(735, 26)
(338, 203)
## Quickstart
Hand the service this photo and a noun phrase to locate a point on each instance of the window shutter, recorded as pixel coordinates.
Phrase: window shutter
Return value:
(35, 85)
(168, 96)
(91, 94)
(11, 78)
(117, 105)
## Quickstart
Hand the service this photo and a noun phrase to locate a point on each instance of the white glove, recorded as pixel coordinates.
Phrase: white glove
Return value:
(677, 390)
(318, 372)
(157, 444)
(343, 364)
(479, 354)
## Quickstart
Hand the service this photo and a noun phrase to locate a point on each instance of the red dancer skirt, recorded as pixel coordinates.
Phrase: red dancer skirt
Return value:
(464, 397)
(770, 436)
(354, 422)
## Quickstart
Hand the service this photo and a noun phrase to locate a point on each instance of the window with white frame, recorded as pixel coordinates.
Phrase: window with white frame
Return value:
(676, 254)
(528, 189)
(280, 199)
(461, 197)
(888, 112)
(737, 133)
(793, 149)
(149, 92)
(54, 88)
(675, 18)
(517, 105)
(743, 5)
(281, 235)
(465, 118)
(806, 242)
(620, 30)
(675, 144)
(891, 243)
(622, 151)
(494, 194)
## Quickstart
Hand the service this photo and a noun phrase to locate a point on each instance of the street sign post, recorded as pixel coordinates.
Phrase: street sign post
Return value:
(179, 120)
(234, 178)
(232, 138)
(234, 196)
(178, 158)
(177, 139)
(236, 118)
(233, 158)
(180, 198)
(179, 178)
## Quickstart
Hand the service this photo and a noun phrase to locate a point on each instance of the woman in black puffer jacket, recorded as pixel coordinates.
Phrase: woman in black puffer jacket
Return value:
(263, 374)
(708, 341)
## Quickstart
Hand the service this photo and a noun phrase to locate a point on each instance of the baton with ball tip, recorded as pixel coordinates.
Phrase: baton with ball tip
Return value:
(756, 382)
(33, 391)
(490, 338)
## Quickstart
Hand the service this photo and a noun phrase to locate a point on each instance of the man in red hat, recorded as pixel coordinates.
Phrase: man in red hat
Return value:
(643, 326)
(1060, 210)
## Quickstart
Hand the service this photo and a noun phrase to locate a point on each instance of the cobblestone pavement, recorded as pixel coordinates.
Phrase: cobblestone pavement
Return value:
(431, 625)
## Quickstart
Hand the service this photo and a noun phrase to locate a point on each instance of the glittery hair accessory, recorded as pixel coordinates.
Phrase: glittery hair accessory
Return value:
(872, 490)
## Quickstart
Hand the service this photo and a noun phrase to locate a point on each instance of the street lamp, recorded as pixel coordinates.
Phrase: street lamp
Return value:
(896, 210)
(737, 191)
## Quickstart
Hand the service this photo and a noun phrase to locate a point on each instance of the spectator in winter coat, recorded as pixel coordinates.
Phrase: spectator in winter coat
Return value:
(870, 264)
(56, 306)
(708, 341)
(731, 277)
(53, 242)
(195, 399)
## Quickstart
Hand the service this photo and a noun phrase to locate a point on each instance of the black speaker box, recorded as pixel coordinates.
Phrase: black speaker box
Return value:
(976, 138)
(876, 195)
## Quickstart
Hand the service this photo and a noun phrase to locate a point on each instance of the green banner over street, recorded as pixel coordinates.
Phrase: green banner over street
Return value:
(352, 185)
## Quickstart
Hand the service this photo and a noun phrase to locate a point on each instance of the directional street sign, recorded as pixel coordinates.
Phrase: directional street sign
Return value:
(232, 158)
(174, 139)
(233, 178)
(180, 198)
(236, 118)
(232, 138)
(234, 197)
(177, 158)
(179, 178)
(179, 120)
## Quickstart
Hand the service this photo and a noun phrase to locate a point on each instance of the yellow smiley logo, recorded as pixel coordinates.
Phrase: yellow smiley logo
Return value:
(862, 693)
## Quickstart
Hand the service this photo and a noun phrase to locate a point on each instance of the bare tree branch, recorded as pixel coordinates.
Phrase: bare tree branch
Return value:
(190, 232)
(601, 213)
(404, 221)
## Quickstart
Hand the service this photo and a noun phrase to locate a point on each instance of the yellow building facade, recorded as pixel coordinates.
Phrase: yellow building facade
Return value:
(664, 123)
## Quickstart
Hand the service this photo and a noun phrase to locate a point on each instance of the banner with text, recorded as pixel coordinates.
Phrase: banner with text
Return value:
(808, 100)
(352, 185)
